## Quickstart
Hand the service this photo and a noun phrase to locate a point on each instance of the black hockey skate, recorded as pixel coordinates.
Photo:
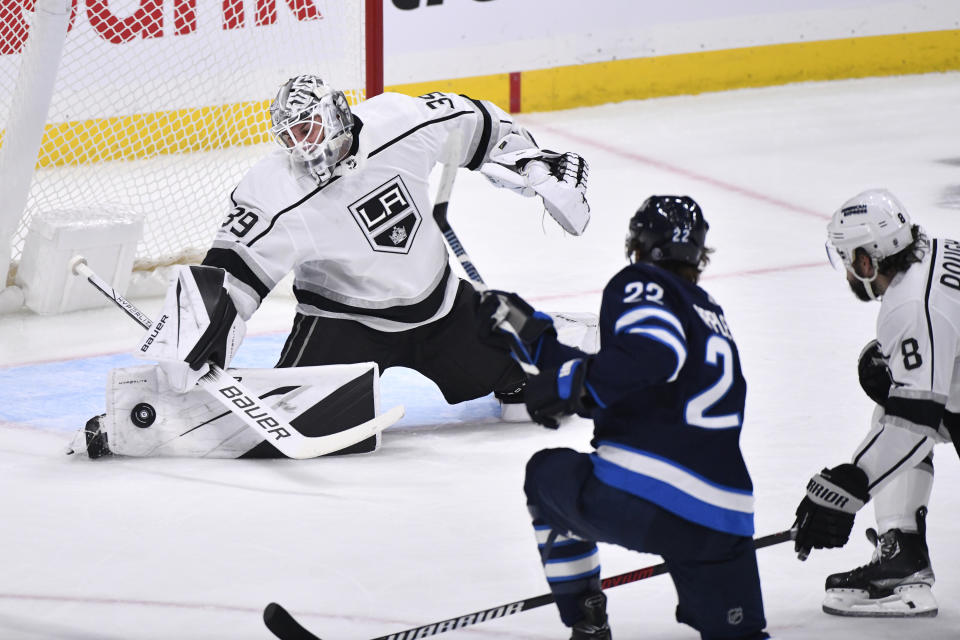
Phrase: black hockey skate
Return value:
(895, 583)
(594, 624)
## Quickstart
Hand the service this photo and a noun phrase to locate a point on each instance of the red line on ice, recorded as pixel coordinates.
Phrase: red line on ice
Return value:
(664, 166)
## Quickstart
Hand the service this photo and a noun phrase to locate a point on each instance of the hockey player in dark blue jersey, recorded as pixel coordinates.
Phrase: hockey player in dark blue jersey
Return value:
(666, 395)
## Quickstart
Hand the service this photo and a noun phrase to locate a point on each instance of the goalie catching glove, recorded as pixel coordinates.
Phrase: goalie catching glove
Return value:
(197, 325)
(560, 179)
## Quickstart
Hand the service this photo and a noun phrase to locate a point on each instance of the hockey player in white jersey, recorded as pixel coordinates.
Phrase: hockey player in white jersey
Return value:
(344, 205)
(912, 371)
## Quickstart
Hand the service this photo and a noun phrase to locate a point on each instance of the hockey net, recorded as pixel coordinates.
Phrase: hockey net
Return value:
(159, 106)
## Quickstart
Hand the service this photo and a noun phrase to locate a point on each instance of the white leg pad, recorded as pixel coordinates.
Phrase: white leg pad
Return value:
(145, 418)
(514, 412)
(577, 329)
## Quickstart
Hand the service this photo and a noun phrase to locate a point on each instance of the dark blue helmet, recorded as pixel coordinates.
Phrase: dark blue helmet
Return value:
(668, 228)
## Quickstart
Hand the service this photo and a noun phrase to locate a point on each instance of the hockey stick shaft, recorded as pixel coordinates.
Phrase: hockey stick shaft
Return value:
(440, 205)
(285, 627)
(242, 402)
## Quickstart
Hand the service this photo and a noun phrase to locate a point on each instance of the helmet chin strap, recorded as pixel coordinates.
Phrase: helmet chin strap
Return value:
(867, 282)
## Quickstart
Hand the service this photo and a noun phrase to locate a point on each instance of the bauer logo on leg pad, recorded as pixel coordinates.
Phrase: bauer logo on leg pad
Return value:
(251, 408)
(388, 217)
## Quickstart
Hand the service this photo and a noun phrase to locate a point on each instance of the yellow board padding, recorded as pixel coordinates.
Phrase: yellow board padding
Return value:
(495, 88)
(692, 73)
(152, 134)
(207, 128)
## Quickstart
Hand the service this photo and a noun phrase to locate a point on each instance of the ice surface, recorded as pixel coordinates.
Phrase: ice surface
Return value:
(434, 525)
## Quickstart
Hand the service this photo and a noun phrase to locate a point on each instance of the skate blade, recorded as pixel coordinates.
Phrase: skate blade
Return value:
(907, 601)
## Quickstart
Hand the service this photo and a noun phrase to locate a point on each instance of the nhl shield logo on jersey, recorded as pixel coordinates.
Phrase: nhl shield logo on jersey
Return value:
(388, 217)
(735, 616)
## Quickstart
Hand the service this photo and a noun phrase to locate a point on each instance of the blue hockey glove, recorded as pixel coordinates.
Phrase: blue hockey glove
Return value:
(558, 392)
(507, 321)
(825, 516)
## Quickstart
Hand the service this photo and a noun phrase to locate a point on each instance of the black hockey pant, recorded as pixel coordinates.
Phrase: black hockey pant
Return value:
(715, 573)
(447, 351)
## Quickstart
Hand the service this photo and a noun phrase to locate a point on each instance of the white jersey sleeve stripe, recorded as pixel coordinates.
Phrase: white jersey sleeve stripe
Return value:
(668, 339)
(635, 316)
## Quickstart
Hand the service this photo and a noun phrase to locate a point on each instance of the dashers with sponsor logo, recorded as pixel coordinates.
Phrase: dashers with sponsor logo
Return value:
(344, 205)
(666, 395)
(911, 370)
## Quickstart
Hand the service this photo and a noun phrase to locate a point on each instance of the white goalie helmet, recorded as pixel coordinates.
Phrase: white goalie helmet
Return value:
(313, 123)
(874, 221)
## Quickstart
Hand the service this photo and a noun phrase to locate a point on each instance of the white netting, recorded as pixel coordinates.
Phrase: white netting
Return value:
(144, 82)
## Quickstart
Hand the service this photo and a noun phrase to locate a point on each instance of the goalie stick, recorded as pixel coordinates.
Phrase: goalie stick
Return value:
(283, 625)
(440, 205)
(236, 397)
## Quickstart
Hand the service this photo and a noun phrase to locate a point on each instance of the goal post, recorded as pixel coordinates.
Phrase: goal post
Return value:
(156, 108)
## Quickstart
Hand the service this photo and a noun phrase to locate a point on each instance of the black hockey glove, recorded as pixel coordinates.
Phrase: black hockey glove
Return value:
(825, 516)
(874, 373)
(508, 322)
(215, 344)
(558, 392)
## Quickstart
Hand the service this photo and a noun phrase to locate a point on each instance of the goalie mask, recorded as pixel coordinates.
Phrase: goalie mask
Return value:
(313, 123)
(668, 228)
(874, 221)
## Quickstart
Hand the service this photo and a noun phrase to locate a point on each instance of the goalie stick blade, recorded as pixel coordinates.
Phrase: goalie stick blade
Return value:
(281, 624)
(313, 447)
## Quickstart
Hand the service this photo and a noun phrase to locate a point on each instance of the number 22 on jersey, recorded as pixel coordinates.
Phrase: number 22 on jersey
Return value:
(697, 407)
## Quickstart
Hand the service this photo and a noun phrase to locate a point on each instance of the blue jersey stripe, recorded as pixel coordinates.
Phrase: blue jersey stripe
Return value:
(674, 463)
(673, 499)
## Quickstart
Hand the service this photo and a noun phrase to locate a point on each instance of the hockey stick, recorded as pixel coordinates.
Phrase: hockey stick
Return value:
(243, 403)
(447, 176)
(440, 205)
(282, 624)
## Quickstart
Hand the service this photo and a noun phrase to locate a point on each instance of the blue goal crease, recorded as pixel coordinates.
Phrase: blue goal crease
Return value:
(62, 396)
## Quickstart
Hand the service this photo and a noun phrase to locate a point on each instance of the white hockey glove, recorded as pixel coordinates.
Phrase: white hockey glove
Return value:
(197, 325)
(560, 179)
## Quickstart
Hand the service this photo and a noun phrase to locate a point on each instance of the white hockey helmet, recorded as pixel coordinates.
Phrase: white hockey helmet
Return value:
(313, 123)
(874, 221)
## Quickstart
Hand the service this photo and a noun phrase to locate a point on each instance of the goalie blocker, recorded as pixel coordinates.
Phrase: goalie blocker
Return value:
(145, 418)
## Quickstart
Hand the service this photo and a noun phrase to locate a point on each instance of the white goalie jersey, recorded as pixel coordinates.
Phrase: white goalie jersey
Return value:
(363, 245)
(918, 329)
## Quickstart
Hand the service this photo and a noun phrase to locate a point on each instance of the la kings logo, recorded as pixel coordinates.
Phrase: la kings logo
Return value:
(388, 217)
